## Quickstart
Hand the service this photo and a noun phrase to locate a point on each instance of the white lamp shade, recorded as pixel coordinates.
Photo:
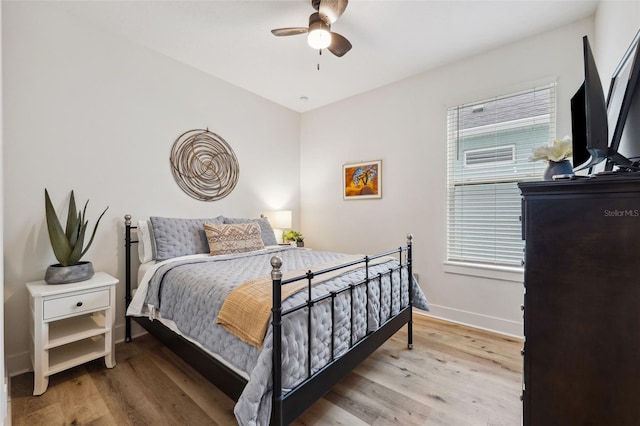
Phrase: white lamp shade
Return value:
(319, 39)
(282, 219)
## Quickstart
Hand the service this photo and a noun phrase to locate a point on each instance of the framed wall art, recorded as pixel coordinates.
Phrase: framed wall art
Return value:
(361, 181)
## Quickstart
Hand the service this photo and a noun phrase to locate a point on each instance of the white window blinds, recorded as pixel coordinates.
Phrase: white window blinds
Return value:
(489, 145)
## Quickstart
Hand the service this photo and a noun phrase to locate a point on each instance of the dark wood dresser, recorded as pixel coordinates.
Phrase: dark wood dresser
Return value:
(582, 302)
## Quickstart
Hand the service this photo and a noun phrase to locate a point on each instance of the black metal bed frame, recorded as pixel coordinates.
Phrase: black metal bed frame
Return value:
(286, 407)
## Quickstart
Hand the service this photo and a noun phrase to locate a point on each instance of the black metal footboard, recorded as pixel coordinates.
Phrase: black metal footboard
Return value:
(287, 406)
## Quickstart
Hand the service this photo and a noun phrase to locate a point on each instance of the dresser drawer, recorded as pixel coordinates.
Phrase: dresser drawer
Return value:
(76, 304)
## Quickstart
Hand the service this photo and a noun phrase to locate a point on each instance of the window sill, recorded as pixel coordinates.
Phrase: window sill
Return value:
(502, 273)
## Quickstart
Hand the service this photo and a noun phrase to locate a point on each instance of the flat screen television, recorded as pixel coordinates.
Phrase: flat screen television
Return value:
(589, 116)
(623, 109)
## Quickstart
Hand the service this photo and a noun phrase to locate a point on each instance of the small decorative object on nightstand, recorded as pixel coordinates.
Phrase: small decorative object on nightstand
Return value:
(71, 324)
(294, 237)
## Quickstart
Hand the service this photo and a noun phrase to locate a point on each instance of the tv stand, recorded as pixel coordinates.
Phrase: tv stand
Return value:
(582, 301)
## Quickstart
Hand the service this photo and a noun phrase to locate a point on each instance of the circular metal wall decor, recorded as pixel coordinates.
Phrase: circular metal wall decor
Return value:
(204, 165)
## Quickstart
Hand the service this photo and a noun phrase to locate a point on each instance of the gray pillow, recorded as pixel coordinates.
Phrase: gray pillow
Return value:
(266, 231)
(180, 237)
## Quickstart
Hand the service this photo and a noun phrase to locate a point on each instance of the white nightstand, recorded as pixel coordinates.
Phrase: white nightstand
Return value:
(71, 324)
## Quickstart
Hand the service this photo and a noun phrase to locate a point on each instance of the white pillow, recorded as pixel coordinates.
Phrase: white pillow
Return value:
(146, 242)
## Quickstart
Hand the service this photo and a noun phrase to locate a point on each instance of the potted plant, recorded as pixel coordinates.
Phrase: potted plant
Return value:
(294, 236)
(68, 243)
(556, 155)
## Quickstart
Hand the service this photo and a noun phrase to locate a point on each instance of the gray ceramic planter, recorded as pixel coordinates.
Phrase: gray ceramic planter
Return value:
(58, 274)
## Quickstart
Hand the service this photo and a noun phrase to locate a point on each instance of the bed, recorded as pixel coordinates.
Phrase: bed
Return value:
(274, 327)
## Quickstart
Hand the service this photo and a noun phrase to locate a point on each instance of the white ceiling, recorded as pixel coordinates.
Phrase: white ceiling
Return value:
(391, 39)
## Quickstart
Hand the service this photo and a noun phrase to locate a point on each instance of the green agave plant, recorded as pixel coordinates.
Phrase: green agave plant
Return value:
(68, 243)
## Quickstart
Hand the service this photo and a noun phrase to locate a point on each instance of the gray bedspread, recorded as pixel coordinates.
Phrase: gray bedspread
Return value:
(191, 293)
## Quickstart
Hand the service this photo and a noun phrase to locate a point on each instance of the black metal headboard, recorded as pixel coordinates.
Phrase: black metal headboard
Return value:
(127, 247)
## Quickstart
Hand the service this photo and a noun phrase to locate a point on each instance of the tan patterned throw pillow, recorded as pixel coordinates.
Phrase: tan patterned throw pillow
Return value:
(233, 238)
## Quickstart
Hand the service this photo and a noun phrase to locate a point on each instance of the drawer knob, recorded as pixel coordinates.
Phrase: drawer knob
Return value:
(79, 304)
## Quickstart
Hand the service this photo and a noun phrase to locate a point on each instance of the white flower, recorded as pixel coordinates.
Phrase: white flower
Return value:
(557, 150)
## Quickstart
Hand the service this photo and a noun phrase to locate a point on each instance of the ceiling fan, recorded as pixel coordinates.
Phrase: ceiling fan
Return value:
(319, 31)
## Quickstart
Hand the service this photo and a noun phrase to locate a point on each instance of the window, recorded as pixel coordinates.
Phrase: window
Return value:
(489, 145)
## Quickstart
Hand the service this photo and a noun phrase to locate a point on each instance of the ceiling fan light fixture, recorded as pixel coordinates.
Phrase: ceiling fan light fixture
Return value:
(319, 32)
(319, 38)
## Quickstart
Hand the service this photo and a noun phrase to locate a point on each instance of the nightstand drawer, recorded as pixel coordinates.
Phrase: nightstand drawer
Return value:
(75, 304)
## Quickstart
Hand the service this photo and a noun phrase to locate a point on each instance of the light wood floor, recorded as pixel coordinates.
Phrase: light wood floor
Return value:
(454, 375)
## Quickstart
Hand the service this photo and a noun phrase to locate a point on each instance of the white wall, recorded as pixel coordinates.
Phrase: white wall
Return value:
(616, 23)
(89, 111)
(404, 125)
(5, 415)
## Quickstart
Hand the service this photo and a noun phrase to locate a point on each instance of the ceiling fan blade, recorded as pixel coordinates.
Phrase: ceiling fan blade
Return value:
(339, 45)
(332, 9)
(289, 31)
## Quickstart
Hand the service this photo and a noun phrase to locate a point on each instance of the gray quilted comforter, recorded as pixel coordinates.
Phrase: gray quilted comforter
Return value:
(191, 292)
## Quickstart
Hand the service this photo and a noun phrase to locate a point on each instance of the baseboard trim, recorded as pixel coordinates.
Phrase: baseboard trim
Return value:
(21, 363)
(18, 363)
(136, 331)
(472, 319)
